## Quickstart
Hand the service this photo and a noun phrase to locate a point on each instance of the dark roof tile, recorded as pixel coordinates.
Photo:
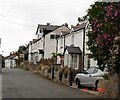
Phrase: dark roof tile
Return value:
(79, 26)
(73, 50)
(47, 27)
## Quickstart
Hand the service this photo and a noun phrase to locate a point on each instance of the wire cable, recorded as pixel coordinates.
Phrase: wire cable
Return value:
(17, 23)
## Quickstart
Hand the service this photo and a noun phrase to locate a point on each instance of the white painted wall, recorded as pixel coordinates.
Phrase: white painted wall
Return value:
(60, 45)
(50, 44)
(29, 52)
(10, 63)
(34, 49)
(68, 40)
(76, 38)
(40, 47)
(93, 62)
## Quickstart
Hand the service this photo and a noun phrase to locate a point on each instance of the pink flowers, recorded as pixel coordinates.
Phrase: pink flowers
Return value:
(105, 23)
(112, 13)
(104, 40)
(95, 20)
(106, 19)
(116, 13)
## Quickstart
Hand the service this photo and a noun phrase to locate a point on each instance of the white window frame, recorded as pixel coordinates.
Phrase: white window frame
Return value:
(74, 61)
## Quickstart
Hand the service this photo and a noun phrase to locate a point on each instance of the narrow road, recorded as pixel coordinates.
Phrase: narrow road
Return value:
(17, 83)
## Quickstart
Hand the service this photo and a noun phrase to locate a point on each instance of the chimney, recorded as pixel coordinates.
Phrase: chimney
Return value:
(48, 24)
(66, 24)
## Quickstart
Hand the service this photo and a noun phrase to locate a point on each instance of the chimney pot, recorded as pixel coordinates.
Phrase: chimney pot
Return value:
(48, 23)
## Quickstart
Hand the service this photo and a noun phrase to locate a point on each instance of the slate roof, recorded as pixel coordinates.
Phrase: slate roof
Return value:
(75, 28)
(10, 57)
(73, 50)
(79, 26)
(65, 33)
(47, 27)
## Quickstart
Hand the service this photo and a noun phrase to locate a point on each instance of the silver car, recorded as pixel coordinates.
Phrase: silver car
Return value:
(89, 78)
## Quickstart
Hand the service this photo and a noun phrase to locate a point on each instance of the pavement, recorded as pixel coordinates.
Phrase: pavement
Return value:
(87, 90)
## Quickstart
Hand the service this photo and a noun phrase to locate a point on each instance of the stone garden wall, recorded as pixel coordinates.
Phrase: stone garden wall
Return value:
(45, 69)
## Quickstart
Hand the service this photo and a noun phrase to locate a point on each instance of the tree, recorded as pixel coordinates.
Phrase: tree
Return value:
(104, 39)
(22, 50)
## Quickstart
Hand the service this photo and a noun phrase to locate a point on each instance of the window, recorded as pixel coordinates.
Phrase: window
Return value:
(36, 57)
(57, 36)
(40, 31)
(66, 60)
(61, 43)
(52, 36)
(73, 61)
(95, 70)
(92, 70)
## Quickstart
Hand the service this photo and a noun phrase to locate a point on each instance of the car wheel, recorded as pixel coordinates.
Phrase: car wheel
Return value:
(96, 84)
(78, 83)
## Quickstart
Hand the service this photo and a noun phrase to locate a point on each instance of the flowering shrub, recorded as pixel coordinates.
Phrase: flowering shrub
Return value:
(104, 40)
(104, 20)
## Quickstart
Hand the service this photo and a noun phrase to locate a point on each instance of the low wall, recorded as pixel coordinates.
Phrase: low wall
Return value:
(61, 74)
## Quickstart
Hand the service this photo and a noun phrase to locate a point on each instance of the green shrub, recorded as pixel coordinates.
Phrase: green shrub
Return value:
(43, 69)
(56, 68)
(105, 76)
(27, 68)
(40, 66)
(60, 74)
(48, 77)
(48, 69)
(65, 71)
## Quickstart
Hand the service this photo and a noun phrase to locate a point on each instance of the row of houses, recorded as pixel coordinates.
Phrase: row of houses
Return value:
(10, 61)
(68, 42)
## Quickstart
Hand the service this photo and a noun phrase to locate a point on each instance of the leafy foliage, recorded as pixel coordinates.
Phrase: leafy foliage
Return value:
(104, 20)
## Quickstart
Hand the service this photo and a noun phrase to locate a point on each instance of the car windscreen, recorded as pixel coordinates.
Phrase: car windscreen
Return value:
(90, 70)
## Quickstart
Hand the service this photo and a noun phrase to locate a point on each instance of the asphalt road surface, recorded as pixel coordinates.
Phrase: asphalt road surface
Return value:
(17, 83)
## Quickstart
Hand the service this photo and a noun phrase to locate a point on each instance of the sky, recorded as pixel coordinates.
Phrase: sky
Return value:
(19, 19)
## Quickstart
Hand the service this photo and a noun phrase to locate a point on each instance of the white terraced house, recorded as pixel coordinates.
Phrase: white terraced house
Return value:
(73, 45)
(45, 43)
(60, 39)
(51, 44)
(10, 61)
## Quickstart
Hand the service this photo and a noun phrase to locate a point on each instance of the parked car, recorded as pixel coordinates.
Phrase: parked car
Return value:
(90, 77)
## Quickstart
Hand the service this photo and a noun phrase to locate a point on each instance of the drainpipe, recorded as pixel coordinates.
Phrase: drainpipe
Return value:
(43, 47)
(83, 46)
(56, 45)
(64, 41)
